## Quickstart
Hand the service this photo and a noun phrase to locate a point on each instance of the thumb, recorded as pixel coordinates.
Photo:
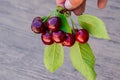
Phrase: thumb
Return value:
(72, 4)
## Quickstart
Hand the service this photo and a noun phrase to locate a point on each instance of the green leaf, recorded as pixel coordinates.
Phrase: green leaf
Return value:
(65, 25)
(83, 60)
(53, 57)
(94, 25)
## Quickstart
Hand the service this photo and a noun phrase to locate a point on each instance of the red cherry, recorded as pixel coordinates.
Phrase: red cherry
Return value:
(69, 41)
(46, 28)
(54, 23)
(58, 36)
(82, 36)
(37, 18)
(47, 38)
(38, 26)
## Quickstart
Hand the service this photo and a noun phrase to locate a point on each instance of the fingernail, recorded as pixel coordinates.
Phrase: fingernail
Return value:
(68, 5)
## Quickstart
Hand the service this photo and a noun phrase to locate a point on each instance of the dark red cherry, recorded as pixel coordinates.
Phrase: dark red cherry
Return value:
(38, 26)
(58, 36)
(37, 18)
(47, 38)
(46, 28)
(54, 23)
(69, 41)
(82, 36)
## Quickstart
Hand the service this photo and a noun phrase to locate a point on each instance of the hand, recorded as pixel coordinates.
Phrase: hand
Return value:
(78, 6)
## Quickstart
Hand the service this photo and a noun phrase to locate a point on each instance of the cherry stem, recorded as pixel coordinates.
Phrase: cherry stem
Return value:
(73, 28)
(46, 18)
(50, 32)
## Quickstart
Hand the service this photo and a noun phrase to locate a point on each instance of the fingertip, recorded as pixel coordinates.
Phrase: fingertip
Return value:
(73, 4)
(102, 4)
(80, 10)
(78, 14)
(68, 5)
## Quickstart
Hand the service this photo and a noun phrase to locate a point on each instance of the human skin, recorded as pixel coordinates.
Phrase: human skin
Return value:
(78, 6)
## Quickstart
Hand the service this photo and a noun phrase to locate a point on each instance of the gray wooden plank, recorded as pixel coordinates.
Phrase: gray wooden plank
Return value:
(21, 51)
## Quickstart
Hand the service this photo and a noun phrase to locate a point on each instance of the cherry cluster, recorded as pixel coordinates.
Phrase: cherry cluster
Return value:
(51, 32)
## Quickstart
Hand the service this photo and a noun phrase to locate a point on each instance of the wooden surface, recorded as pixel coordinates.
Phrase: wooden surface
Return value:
(21, 51)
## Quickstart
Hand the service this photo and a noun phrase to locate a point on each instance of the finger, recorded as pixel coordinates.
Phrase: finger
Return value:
(102, 3)
(72, 4)
(78, 11)
(60, 2)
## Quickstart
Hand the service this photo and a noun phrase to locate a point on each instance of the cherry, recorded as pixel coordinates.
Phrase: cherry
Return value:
(37, 18)
(69, 41)
(38, 26)
(47, 38)
(82, 36)
(58, 36)
(54, 23)
(46, 28)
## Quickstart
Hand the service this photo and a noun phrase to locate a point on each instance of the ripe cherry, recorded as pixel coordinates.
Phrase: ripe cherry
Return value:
(54, 23)
(82, 36)
(37, 18)
(47, 38)
(58, 36)
(69, 41)
(38, 26)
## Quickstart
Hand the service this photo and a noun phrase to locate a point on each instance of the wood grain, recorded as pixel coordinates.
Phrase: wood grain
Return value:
(21, 51)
